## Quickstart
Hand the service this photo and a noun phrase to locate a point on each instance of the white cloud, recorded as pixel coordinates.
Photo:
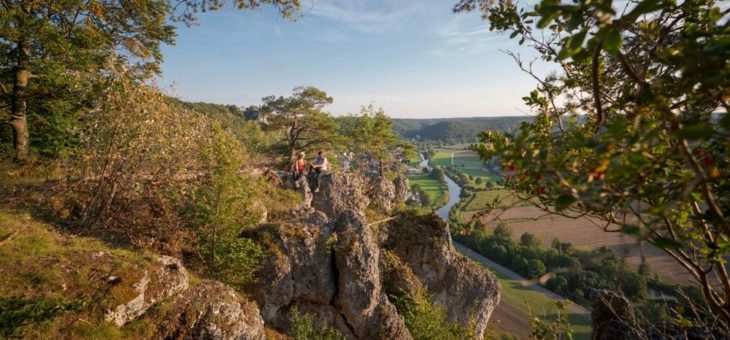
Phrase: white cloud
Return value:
(361, 15)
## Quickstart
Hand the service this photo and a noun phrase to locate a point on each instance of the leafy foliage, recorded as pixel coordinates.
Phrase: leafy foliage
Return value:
(425, 320)
(224, 209)
(650, 156)
(300, 119)
(371, 133)
(304, 328)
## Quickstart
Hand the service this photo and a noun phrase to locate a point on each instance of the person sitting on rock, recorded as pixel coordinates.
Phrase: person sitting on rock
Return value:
(321, 166)
(298, 169)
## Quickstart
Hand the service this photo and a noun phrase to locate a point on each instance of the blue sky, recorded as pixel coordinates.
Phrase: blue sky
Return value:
(416, 59)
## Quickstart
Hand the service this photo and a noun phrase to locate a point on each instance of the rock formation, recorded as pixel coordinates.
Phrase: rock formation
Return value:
(338, 193)
(383, 193)
(209, 310)
(329, 264)
(167, 277)
(467, 292)
(401, 188)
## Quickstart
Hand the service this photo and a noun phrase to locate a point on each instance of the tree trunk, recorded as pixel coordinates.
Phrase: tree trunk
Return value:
(19, 104)
(380, 169)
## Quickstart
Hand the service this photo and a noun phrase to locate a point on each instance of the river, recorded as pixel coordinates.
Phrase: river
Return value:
(454, 192)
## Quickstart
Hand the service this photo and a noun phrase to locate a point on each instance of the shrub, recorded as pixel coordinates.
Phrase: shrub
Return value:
(224, 209)
(426, 321)
(304, 328)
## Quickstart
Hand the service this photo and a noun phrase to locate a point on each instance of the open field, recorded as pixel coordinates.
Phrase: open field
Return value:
(479, 173)
(483, 198)
(429, 185)
(462, 158)
(512, 314)
(584, 232)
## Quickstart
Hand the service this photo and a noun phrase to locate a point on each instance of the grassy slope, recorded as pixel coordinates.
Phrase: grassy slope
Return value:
(523, 299)
(44, 267)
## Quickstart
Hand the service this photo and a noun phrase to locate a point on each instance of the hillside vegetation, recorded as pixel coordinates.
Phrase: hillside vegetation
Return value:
(454, 130)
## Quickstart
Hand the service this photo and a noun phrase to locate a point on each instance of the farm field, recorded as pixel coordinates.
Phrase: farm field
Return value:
(484, 198)
(512, 314)
(429, 185)
(462, 158)
(479, 173)
(584, 232)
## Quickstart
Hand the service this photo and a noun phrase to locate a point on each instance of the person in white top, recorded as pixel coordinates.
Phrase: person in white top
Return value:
(321, 165)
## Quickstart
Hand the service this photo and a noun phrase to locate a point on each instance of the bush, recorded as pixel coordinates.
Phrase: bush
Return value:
(224, 208)
(426, 321)
(304, 328)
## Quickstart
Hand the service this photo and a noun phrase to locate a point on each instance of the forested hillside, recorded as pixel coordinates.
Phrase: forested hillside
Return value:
(454, 130)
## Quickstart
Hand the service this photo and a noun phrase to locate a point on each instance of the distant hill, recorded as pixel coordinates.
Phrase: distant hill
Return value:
(454, 130)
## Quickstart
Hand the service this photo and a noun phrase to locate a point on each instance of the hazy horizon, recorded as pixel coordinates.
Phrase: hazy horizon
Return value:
(415, 59)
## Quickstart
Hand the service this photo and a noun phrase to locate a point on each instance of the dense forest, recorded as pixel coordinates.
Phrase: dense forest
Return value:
(454, 130)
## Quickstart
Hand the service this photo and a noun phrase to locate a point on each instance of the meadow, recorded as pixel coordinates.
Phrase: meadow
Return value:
(429, 185)
(512, 314)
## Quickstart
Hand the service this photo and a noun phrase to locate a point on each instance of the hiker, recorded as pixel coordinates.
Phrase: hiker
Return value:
(298, 169)
(321, 166)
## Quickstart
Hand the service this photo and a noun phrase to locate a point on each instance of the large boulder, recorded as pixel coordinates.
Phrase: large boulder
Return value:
(210, 310)
(341, 192)
(383, 193)
(466, 291)
(166, 277)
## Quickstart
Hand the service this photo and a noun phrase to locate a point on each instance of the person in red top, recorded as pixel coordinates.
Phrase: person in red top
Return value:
(298, 169)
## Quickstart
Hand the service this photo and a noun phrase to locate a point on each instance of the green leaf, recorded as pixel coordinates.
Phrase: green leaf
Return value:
(547, 19)
(666, 243)
(695, 132)
(612, 41)
(631, 230)
(563, 202)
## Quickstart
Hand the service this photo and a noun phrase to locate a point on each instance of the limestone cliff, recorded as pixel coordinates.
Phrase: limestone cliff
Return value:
(331, 264)
(326, 259)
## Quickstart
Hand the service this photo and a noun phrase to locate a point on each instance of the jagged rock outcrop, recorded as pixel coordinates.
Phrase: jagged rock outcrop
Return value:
(166, 278)
(401, 189)
(328, 269)
(360, 297)
(299, 268)
(383, 193)
(329, 264)
(338, 193)
(210, 310)
(467, 292)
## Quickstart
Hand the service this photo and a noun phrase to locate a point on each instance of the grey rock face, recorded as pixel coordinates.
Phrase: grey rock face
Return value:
(360, 297)
(466, 291)
(401, 188)
(167, 277)
(338, 193)
(383, 193)
(210, 310)
(299, 269)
